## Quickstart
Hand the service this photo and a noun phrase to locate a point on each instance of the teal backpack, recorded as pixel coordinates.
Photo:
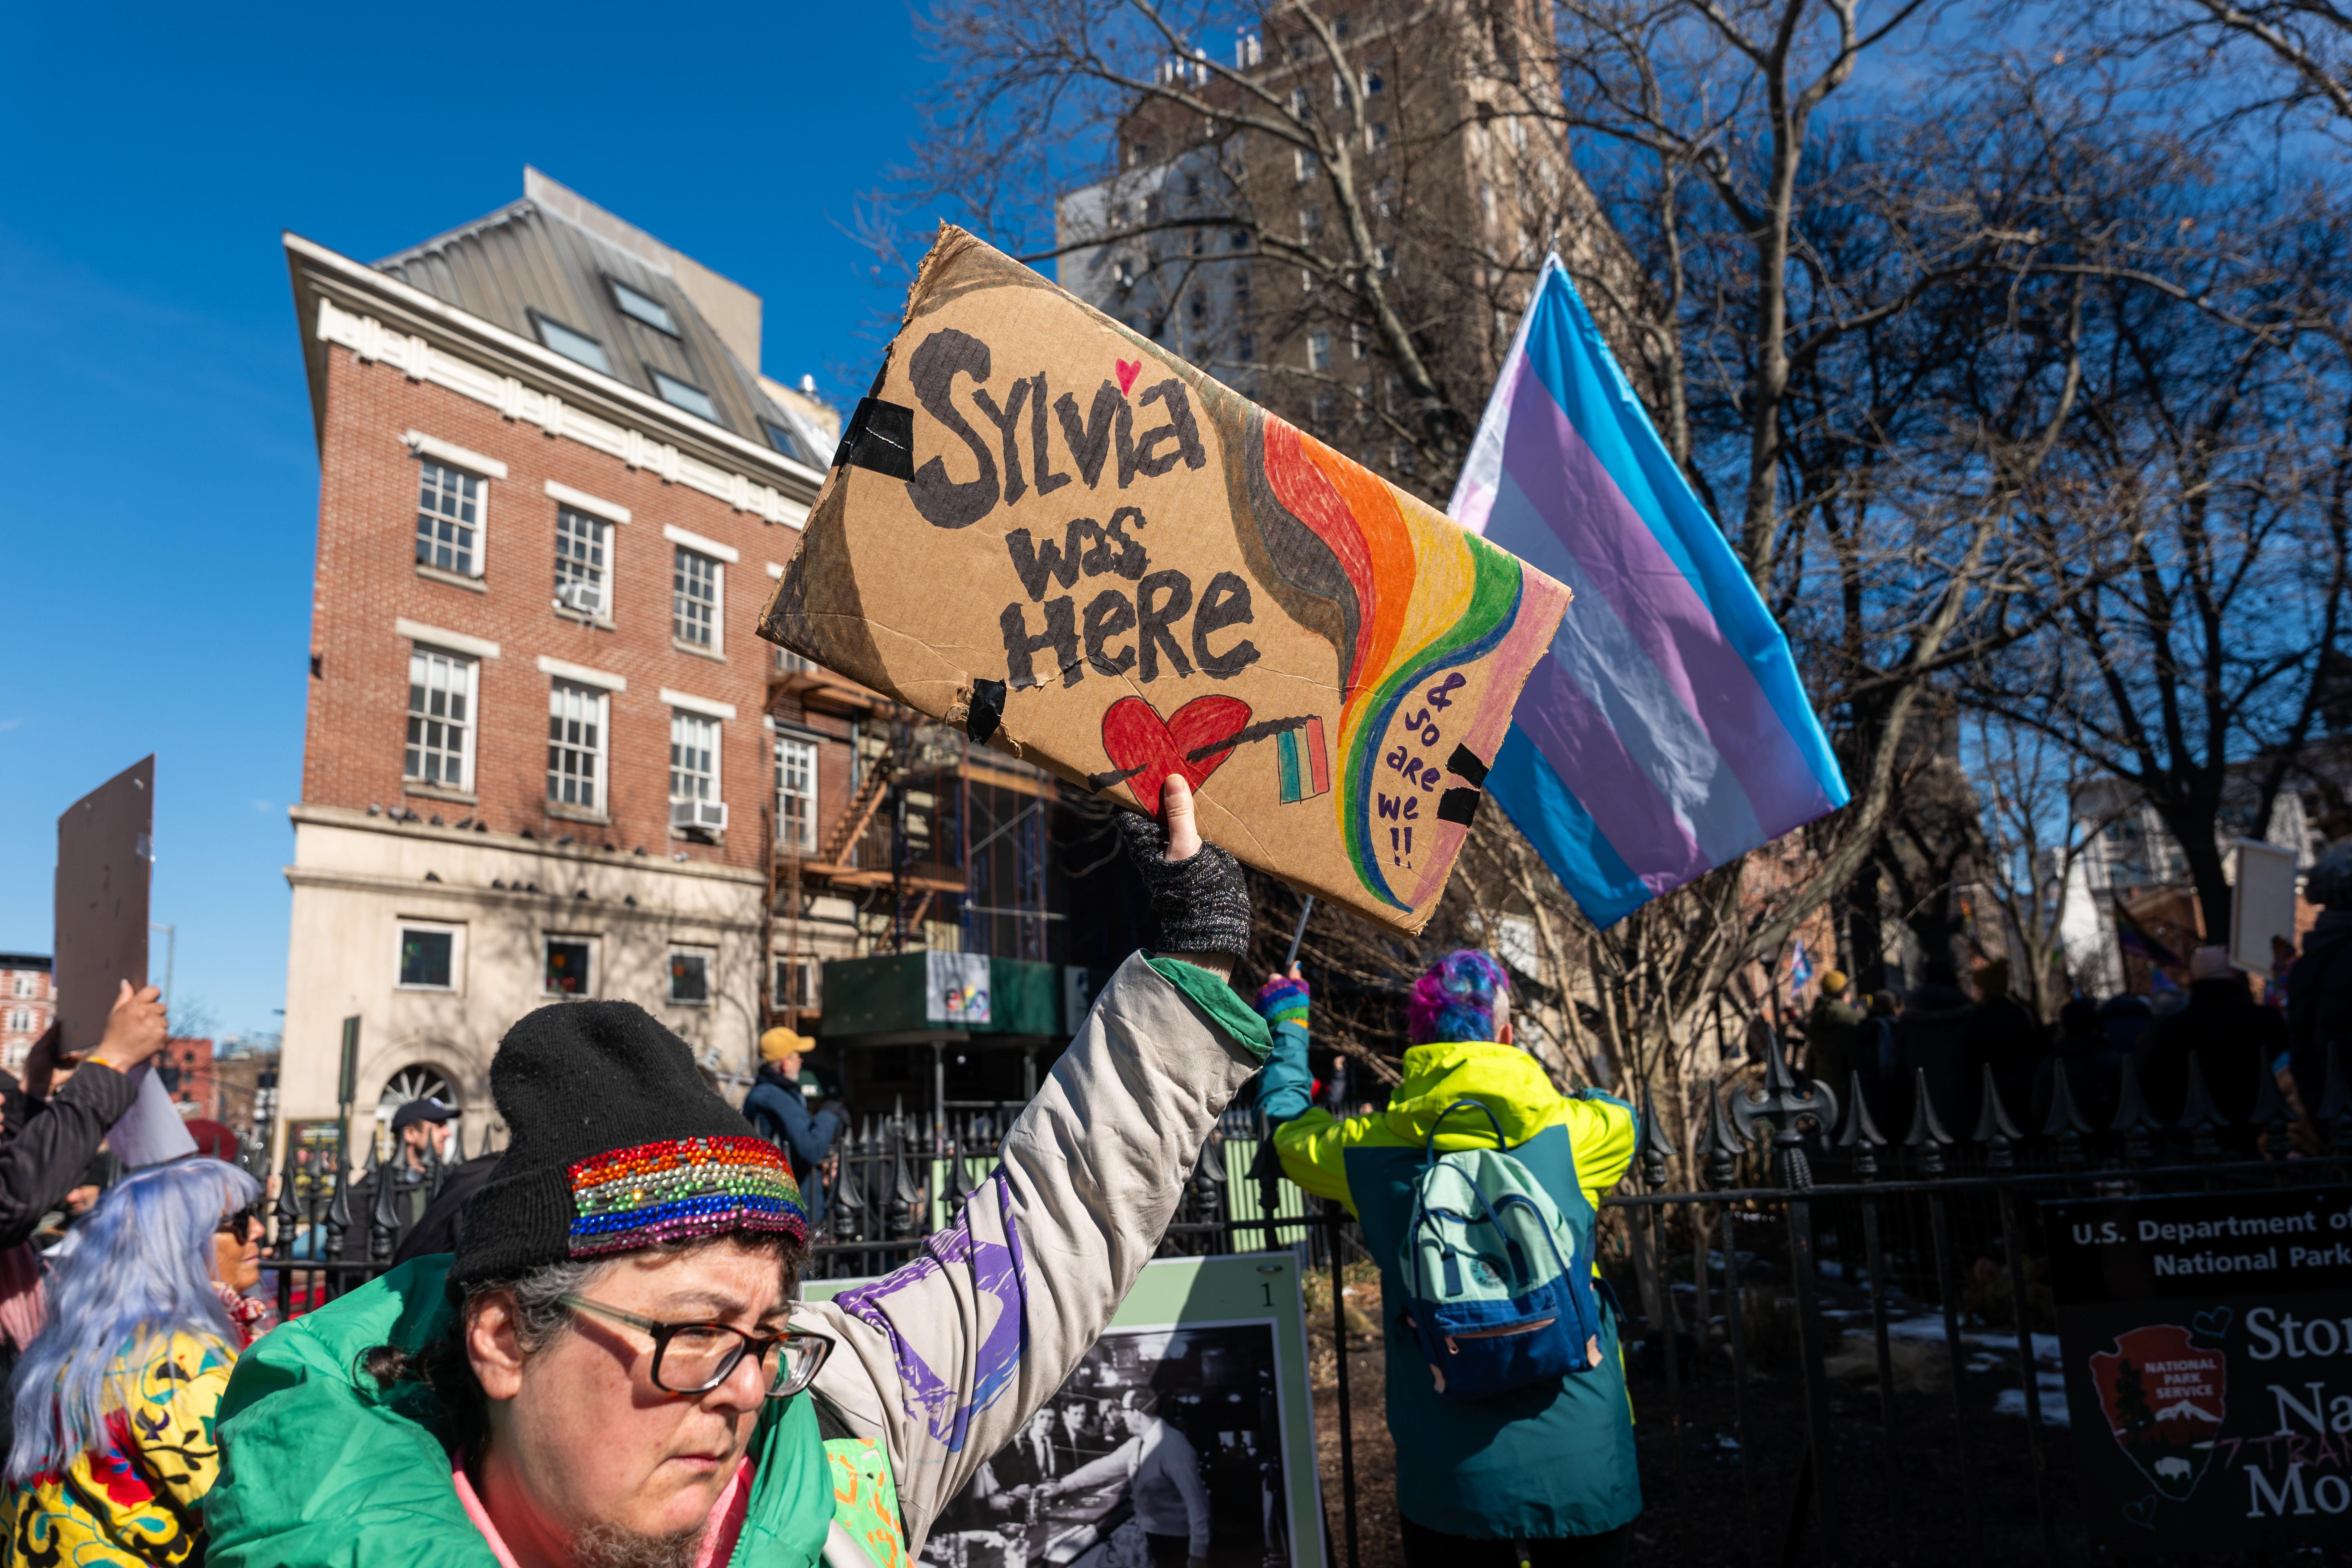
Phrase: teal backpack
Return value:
(1496, 1289)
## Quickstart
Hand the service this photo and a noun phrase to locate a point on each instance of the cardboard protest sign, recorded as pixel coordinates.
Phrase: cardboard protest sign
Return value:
(106, 853)
(1052, 532)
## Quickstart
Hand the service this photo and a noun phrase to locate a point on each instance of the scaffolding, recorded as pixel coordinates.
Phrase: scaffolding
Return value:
(938, 842)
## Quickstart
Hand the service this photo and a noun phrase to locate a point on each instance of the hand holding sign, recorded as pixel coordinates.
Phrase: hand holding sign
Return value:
(135, 1029)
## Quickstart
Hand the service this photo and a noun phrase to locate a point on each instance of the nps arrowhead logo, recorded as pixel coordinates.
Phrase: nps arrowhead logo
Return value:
(2163, 1399)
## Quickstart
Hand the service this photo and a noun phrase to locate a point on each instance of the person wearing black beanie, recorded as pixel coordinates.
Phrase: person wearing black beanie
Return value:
(612, 1371)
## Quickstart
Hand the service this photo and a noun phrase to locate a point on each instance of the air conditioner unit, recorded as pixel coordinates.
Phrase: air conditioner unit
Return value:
(581, 598)
(711, 815)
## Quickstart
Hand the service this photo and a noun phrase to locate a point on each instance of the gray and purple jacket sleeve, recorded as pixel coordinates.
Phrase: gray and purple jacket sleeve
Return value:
(945, 1360)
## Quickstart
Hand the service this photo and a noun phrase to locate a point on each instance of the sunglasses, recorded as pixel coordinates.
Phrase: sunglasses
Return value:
(240, 1222)
(695, 1358)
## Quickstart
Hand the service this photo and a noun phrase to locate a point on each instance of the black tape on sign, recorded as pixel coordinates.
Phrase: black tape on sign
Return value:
(1458, 806)
(880, 437)
(985, 712)
(1466, 762)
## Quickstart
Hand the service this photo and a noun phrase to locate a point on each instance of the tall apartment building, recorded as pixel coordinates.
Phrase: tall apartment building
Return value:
(28, 1000)
(1232, 246)
(545, 755)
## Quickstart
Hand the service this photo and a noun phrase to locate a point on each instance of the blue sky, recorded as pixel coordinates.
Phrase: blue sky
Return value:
(159, 506)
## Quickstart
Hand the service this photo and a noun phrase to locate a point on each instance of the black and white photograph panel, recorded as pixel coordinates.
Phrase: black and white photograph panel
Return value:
(1162, 1450)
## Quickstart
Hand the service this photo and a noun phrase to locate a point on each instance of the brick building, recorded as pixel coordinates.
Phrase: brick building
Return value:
(189, 1074)
(28, 1000)
(540, 758)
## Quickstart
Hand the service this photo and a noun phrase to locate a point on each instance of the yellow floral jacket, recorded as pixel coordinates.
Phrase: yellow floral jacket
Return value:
(136, 1498)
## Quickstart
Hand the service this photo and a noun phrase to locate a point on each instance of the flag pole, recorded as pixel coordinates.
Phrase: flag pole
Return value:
(1299, 935)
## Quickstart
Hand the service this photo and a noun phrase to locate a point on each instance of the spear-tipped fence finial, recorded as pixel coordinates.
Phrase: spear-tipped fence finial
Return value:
(2065, 1123)
(2132, 1117)
(1858, 1135)
(1724, 1146)
(2199, 1118)
(1926, 1139)
(1782, 1109)
(1994, 1129)
(2270, 1112)
(1653, 1151)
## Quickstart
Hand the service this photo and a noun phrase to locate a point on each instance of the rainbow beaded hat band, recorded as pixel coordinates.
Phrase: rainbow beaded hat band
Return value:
(679, 1189)
(615, 1143)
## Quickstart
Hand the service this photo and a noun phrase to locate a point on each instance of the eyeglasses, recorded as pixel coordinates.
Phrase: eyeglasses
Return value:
(243, 1220)
(695, 1358)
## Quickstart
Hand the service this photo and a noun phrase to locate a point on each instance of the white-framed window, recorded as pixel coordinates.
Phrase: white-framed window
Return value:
(440, 718)
(576, 732)
(690, 976)
(1318, 350)
(1303, 165)
(21, 986)
(799, 982)
(1376, 136)
(568, 967)
(694, 797)
(1310, 222)
(432, 956)
(584, 544)
(19, 1020)
(449, 518)
(694, 597)
(796, 792)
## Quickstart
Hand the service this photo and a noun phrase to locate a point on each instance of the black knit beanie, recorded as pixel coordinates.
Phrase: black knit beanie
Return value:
(616, 1144)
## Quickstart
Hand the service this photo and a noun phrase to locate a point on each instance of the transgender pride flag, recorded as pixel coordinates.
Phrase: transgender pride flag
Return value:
(1667, 731)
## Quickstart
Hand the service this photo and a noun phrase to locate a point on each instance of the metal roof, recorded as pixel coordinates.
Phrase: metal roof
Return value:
(523, 264)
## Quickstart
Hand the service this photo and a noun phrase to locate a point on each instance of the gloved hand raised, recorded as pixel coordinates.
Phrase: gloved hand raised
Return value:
(1198, 897)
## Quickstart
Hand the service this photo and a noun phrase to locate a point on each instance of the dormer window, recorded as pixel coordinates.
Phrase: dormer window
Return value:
(643, 307)
(571, 344)
(685, 394)
(784, 441)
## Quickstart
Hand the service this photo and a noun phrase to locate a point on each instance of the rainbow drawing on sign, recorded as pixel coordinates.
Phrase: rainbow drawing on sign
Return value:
(1401, 594)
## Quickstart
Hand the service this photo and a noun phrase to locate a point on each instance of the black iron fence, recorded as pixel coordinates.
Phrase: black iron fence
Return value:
(1842, 1342)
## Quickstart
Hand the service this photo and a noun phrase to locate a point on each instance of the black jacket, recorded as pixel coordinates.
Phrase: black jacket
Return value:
(437, 1228)
(2233, 1041)
(42, 1164)
(1934, 1035)
(2319, 1005)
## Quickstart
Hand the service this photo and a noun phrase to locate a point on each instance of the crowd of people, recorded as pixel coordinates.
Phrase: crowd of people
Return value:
(592, 1352)
(1943, 1040)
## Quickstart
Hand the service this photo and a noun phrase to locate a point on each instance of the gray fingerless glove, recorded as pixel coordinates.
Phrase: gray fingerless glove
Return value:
(1202, 904)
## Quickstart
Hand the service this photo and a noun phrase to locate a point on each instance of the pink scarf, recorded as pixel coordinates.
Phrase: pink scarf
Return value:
(244, 1312)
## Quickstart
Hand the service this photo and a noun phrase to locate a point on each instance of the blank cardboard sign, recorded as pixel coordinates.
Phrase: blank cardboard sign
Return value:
(105, 852)
(1053, 533)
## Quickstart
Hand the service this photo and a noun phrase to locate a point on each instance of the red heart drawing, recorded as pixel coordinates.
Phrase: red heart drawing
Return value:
(1136, 736)
(1129, 369)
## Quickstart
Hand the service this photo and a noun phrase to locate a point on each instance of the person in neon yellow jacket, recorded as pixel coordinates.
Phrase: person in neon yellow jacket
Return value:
(1545, 1474)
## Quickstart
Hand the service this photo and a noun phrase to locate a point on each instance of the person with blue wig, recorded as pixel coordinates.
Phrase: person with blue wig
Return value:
(114, 1402)
(1539, 1477)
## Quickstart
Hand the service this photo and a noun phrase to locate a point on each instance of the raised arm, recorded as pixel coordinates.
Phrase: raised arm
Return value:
(39, 1165)
(946, 1358)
